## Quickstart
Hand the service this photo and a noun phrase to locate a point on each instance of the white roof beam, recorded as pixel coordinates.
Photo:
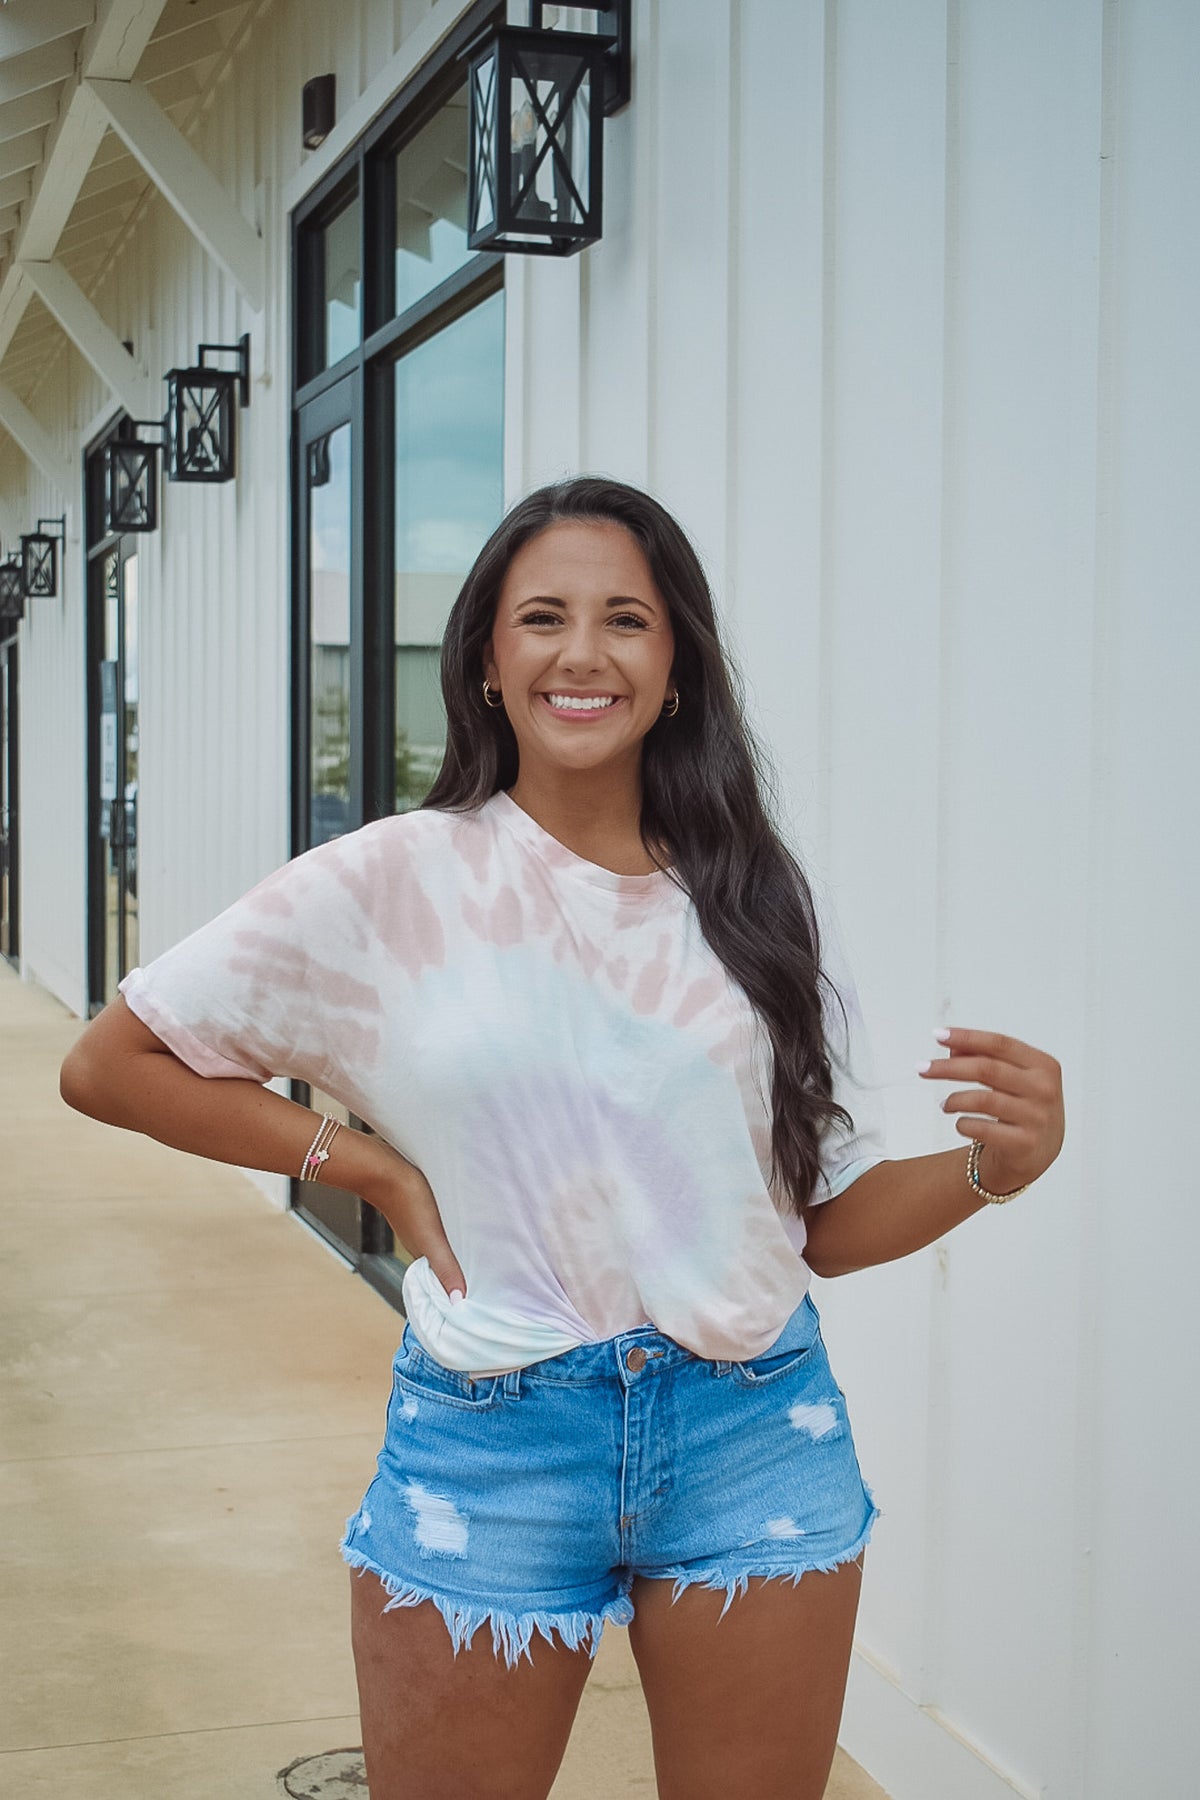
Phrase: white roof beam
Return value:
(56, 186)
(114, 46)
(92, 337)
(187, 182)
(28, 24)
(37, 444)
(36, 69)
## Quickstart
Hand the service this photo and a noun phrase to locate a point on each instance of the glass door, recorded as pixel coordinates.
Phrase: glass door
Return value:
(328, 800)
(113, 577)
(9, 881)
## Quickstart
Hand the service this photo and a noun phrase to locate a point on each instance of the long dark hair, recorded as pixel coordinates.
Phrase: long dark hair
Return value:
(703, 781)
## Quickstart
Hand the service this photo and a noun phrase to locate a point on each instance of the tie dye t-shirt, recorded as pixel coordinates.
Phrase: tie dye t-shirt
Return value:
(557, 1048)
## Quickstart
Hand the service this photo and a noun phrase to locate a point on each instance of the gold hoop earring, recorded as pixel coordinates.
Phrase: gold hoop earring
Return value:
(498, 701)
(668, 712)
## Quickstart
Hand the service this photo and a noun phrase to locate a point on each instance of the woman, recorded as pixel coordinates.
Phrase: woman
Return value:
(621, 1112)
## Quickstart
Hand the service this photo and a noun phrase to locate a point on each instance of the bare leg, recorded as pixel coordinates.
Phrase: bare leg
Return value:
(751, 1705)
(437, 1727)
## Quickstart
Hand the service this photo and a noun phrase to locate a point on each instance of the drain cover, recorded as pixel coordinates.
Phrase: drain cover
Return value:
(334, 1775)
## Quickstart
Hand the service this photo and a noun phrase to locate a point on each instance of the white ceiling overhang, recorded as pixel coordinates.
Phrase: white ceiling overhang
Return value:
(97, 100)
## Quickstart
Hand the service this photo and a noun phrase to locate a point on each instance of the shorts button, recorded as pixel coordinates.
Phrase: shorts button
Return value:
(636, 1359)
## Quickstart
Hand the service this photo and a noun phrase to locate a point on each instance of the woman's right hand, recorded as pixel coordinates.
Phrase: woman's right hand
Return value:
(120, 1072)
(406, 1200)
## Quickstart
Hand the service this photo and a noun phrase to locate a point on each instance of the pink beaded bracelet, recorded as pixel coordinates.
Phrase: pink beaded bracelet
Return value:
(318, 1150)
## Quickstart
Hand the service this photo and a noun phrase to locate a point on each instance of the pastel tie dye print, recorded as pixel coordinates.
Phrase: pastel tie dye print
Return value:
(555, 1046)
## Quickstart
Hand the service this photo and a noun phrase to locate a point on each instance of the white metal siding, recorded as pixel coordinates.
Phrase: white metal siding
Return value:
(895, 307)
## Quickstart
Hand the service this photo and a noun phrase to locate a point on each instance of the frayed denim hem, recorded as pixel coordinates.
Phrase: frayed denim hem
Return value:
(510, 1631)
(737, 1584)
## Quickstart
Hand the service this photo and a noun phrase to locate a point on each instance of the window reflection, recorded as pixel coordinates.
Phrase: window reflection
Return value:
(449, 498)
(431, 203)
(329, 633)
(343, 280)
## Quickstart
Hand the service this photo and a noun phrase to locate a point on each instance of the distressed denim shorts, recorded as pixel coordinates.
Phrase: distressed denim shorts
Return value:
(530, 1500)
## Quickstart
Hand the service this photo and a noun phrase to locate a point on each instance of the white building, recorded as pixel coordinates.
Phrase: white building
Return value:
(896, 307)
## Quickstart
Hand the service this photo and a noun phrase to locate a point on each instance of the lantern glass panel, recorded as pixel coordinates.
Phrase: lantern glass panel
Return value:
(483, 110)
(548, 105)
(131, 497)
(39, 565)
(431, 203)
(203, 415)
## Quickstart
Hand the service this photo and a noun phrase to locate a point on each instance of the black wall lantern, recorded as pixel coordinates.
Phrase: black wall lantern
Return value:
(131, 478)
(39, 558)
(12, 593)
(201, 417)
(537, 101)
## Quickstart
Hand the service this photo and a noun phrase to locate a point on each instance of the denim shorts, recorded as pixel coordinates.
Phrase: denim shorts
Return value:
(530, 1500)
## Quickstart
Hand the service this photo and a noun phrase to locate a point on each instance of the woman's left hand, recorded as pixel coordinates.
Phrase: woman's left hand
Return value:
(1021, 1098)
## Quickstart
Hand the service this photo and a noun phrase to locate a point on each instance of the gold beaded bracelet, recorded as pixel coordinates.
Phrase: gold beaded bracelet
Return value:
(973, 1178)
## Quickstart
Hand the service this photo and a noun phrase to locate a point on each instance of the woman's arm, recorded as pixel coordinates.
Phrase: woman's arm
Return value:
(900, 1206)
(119, 1072)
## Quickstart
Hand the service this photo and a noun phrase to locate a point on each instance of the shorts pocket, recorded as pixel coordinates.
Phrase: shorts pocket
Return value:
(774, 1365)
(418, 1376)
(799, 1344)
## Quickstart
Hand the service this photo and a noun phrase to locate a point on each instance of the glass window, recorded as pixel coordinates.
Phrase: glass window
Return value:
(343, 282)
(329, 633)
(431, 203)
(449, 498)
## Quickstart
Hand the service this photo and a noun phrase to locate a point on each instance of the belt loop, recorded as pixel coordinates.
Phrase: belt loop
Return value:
(723, 1367)
(512, 1384)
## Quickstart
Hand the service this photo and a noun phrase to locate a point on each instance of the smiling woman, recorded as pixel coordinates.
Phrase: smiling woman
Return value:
(582, 638)
(617, 1081)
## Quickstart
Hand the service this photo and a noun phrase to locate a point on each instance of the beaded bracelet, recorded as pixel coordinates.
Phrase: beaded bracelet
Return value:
(973, 1178)
(318, 1150)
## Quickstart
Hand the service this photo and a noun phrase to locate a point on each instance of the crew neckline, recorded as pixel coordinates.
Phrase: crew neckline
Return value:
(560, 856)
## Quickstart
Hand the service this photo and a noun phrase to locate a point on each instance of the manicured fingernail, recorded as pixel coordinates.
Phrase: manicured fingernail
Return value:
(943, 1034)
(456, 1294)
(923, 1068)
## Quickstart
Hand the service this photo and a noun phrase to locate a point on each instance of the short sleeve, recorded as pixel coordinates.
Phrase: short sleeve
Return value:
(845, 1155)
(271, 985)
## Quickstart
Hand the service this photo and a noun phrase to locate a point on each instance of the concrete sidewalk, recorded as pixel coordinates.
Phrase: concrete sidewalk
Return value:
(194, 1392)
